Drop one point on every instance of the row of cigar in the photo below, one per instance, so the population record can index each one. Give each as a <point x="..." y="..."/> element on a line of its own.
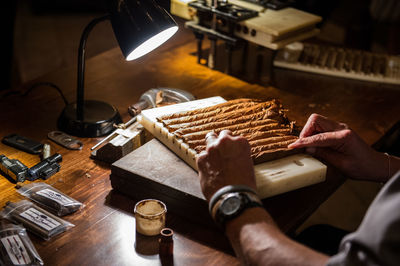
<point x="263" y="123"/>
<point x="349" y="60"/>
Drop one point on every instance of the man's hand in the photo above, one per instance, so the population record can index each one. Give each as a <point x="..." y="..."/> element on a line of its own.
<point x="337" y="144"/>
<point x="254" y="236"/>
<point x="226" y="161"/>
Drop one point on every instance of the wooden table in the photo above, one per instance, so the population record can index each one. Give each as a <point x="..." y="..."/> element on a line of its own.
<point x="104" y="232"/>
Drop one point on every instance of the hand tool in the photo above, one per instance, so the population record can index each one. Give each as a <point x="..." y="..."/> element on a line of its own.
<point x="23" y="143"/>
<point x="130" y="135"/>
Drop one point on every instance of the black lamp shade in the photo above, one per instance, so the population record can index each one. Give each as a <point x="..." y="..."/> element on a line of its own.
<point x="140" y="26"/>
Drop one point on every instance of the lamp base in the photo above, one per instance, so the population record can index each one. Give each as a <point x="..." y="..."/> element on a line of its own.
<point x="99" y="118"/>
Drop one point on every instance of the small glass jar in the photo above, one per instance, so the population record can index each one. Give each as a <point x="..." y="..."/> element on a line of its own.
<point x="150" y="216"/>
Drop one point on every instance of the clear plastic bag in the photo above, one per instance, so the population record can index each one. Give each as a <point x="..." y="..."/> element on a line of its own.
<point x="16" y="248"/>
<point x="35" y="219"/>
<point x="50" y="198"/>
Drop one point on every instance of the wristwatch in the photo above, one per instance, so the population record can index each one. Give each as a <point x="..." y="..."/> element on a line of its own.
<point x="229" y="202"/>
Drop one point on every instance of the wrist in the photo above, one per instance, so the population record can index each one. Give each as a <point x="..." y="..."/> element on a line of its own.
<point x="375" y="167"/>
<point x="230" y="202"/>
<point x="227" y="189"/>
<point x="387" y="168"/>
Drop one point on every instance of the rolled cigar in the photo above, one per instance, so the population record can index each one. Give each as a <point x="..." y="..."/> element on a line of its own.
<point x="269" y="116"/>
<point x="267" y="147"/>
<point x="203" y="115"/>
<point x="207" y="109"/>
<point x="266" y="134"/>
<point x="272" y="140"/>
<point x="239" y="129"/>
<point x="262" y="145"/>
<point x="249" y="136"/>
<point x="257" y="110"/>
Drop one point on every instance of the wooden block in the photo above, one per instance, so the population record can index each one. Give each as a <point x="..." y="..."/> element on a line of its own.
<point x="124" y="141"/>
<point x="275" y="29"/>
<point x="180" y="8"/>
<point x="278" y="22"/>
<point x="287" y="174"/>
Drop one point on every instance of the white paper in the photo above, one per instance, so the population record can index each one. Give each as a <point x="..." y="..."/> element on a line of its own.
<point x="51" y="194"/>
<point x="40" y="219"/>
<point x="16" y="250"/>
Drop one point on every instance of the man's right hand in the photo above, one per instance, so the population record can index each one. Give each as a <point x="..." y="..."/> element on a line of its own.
<point x="226" y="161"/>
<point x="340" y="146"/>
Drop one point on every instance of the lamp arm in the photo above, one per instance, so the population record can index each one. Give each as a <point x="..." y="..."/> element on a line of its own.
<point x="81" y="66"/>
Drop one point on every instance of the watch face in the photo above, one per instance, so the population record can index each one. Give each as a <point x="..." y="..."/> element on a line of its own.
<point x="230" y="205"/>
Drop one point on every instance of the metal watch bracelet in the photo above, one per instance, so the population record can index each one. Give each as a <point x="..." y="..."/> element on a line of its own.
<point x="247" y="200"/>
<point x="230" y="188"/>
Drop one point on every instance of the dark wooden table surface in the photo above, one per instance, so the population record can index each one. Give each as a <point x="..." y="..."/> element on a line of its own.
<point x="104" y="232"/>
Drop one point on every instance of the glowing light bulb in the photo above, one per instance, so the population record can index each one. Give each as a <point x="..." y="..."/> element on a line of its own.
<point x="152" y="43"/>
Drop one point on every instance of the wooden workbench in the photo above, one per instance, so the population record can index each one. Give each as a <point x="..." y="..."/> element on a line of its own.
<point x="104" y="232"/>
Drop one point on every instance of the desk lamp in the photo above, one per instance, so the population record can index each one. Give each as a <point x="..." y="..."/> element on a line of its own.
<point x="139" y="27"/>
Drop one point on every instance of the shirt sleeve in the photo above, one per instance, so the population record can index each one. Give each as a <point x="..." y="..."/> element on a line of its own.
<point x="377" y="240"/>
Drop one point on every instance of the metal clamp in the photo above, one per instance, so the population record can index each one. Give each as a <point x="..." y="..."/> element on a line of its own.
<point x="65" y="140"/>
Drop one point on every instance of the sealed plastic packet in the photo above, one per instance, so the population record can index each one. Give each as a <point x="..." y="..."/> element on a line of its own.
<point x="50" y="198"/>
<point x="35" y="219"/>
<point x="15" y="246"/>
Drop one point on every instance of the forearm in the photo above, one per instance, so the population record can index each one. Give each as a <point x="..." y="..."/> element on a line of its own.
<point x="258" y="241"/>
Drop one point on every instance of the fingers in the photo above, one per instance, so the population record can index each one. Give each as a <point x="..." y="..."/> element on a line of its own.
<point x="209" y="163"/>
<point x="225" y="133"/>
<point x="232" y="146"/>
<point x="333" y="139"/>
<point x="311" y="125"/>
<point x="201" y="160"/>
<point x="318" y="124"/>
<point x="211" y="137"/>
<point x="226" y="160"/>
<point x="212" y="152"/>
<point x="225" y="145"/>
<point x="213" y="140"/>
